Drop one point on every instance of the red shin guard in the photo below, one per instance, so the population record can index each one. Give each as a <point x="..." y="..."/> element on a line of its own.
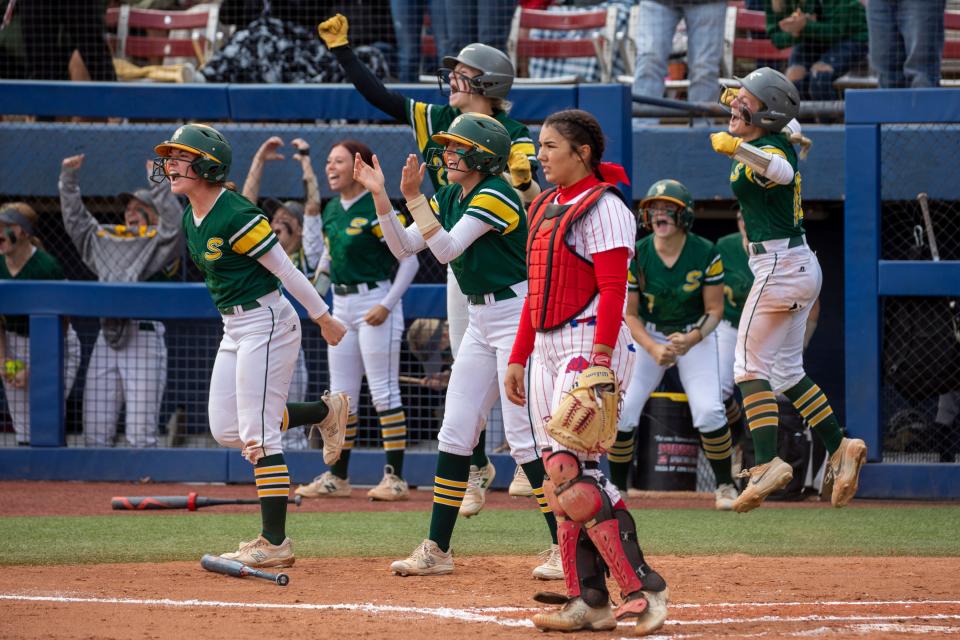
<point x="568" y="532"/>
<point x="606" y="538"/>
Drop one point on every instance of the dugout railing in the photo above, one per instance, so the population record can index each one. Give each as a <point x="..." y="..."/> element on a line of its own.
<point x="898" y="143"/>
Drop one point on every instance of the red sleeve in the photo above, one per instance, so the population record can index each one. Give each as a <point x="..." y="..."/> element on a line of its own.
<point x="610" y="268"/>
<point x="523" y="343"/>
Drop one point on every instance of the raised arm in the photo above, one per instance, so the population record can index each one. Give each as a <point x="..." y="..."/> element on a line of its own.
<point x="313" y="246"/>
<point x="334" y="35"/>
<point x="401" y="242"/>
<point x="77" y="220"/>
<point x="266" y="153"/>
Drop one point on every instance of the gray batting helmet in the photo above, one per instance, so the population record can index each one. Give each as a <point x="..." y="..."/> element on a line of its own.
<point x="780" y="98"/>
<point x="496" y="70"/>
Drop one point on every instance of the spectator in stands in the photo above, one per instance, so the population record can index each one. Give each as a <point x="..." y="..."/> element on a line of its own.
<point x="657" y="23"/>
<point x="906" y="41"/>
<point x="129" y="359"/>
<point x="472" y="21"/>
<point x="407" y="25"/>
<point x="64" y="40"/>
<point x="827" y="42"/>
<point x="24" y="259"/>
<point x="287" y="222"/>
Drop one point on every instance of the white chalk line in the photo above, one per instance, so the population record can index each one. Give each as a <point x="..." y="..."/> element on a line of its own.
<point x="481" y="614"/>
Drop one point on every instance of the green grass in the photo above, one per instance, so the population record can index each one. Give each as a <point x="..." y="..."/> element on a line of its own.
<point x="919" y="531"/>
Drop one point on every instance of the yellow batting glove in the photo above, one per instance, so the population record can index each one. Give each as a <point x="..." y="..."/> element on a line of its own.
<point x="728" y="95"/>
<point x="725" y="143"/>
<point x="520" y="170"/>
<point x="333" y="31"/>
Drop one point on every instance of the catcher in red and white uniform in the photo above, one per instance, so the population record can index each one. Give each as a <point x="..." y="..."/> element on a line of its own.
<point x="581" y="238"/>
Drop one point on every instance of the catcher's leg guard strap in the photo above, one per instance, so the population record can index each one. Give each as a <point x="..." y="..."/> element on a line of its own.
<point x="577" y="496"/>
<point x="652" y="581"/>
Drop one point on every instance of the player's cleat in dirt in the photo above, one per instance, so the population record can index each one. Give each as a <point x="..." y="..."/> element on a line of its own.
<point x="392" y="488"/>
<point x="261" y="554"/>
<point x="552" y="567"/>
<point x="478" y="482"/>
<point x="326" y="485"/>
<point x="333" y="428"/>
<point x="845" y="464"/>
<point x="426" y="560"/>
<point x="520" y="485"/>
<point x="577" y="615"/>
<point x="653" y="616"/>
<point x="764" y="480"/>
<point x="724" y="497"/>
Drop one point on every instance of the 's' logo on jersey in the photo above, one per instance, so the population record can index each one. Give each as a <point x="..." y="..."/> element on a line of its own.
<point x="693" y="280"/>
<point x="356" y="226"/>
<point x="213" y="249"/>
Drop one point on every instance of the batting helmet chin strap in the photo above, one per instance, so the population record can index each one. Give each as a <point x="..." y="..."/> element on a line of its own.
<point x="582" y="506"/>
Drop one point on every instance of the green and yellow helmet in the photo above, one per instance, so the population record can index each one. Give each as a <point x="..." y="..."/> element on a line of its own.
<point x="213" y="151"/>
<point x="671" y="191"/>
<point x="488" y="140"/>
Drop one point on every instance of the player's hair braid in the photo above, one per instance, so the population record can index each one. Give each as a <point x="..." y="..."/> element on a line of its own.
<point x="355" y="147"/>
<point x="580" y="128"/>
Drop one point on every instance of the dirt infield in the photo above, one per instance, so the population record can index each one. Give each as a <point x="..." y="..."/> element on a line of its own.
<point x="732" y="596"/>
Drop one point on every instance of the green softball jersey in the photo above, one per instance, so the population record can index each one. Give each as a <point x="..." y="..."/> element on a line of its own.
<point x="737" y="277"/>
<point x="40" y="266"/>
<point x="497" y="259"/>
<point x="428" y="119"/>
<point x="355" y="242"/>
<point x="770" y="210"/>
<point x="225" y="247"/>
<point x="672" y="296"/>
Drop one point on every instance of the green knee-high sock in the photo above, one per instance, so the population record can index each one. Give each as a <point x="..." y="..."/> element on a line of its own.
<point x="298" y="414"/>
<point x="393" y="428"/>
<point x="448" y="489"/>
<point x="273" y="488"/>
<point x="340" y="467"/>
<point x="734" y="414"/>
<point x="535" y="472"/>
<point x="813" y="406"/>
<point x="479" y="456"/>
<point x="620" y="456"/>
<point x="718" y="447"/>
<point x="763" y="418"/>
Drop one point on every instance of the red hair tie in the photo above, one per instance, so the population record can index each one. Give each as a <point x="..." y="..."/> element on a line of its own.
<point x="613" y="173"/>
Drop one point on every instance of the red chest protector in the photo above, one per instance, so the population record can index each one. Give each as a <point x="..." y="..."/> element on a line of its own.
<point x="561" y="283"/>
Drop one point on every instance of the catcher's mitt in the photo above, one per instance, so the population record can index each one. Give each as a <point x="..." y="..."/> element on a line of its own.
<point x="586" y="419"/>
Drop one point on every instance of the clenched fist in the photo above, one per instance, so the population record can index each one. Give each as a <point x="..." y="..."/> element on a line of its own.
<point x="520" y="170"/>
<point x="333" y="31"/>
<point x="725" y="143"/>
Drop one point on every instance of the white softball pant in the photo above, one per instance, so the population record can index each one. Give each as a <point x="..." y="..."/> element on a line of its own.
<point x="252" y="373"/>
<point x="18" y="400"/>
<point x="457" y="312"/>
<point x="134" y="375"/>
<point x="476" y="381"/>
<point x="727" y="344"/>
<point x="558" y="356"/>
<point x="368" y="350"/>
<point x="770" y="336"/>
<point x="699" y="370"/>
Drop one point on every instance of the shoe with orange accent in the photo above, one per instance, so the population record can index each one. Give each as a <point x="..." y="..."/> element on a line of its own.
<point x="764" y="480"/>
<point x="845" y="463"/>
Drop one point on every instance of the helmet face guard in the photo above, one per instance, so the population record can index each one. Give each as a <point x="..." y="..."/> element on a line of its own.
<point x="213" y="152"/>
<point x="473" y="159"/>
<point x="669" y="191"/>
<point x="444" y="76"/>
<point x="496" y="72"/>
<point x="486" y="140"/>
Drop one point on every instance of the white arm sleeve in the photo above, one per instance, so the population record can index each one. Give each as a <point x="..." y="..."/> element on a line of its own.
<point x="405" y="273"/>
<point x="313" y="239"/>
<point x="792" y="127"/>
<point x="293" y="280"/>
<point x="447" y="246"/>
<point x="771" y="166"/>
<point x="402" y="242"/>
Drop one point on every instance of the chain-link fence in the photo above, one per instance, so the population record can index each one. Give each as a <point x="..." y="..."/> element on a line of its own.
<point x="920" y="220"/>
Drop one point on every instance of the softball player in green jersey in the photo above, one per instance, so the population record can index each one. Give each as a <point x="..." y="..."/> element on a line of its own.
<point x="477" y="80"/>
<point x="478" y="226"/>
<point x="230" y="241"/>
<point x="769" y="354"/>
<point x="674" y="303"/>
<point x="368" y="301"/>
<point x="21" y="258"/>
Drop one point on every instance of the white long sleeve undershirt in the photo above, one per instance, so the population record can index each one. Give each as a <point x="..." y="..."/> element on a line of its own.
<point x="293" y="280"/>
<point x="446" y="246"/>
<point x="405" y="274"/>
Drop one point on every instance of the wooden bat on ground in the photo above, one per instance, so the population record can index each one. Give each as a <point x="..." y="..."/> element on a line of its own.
<point x="239" y="570"/>
<point x="190" y="502"/>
